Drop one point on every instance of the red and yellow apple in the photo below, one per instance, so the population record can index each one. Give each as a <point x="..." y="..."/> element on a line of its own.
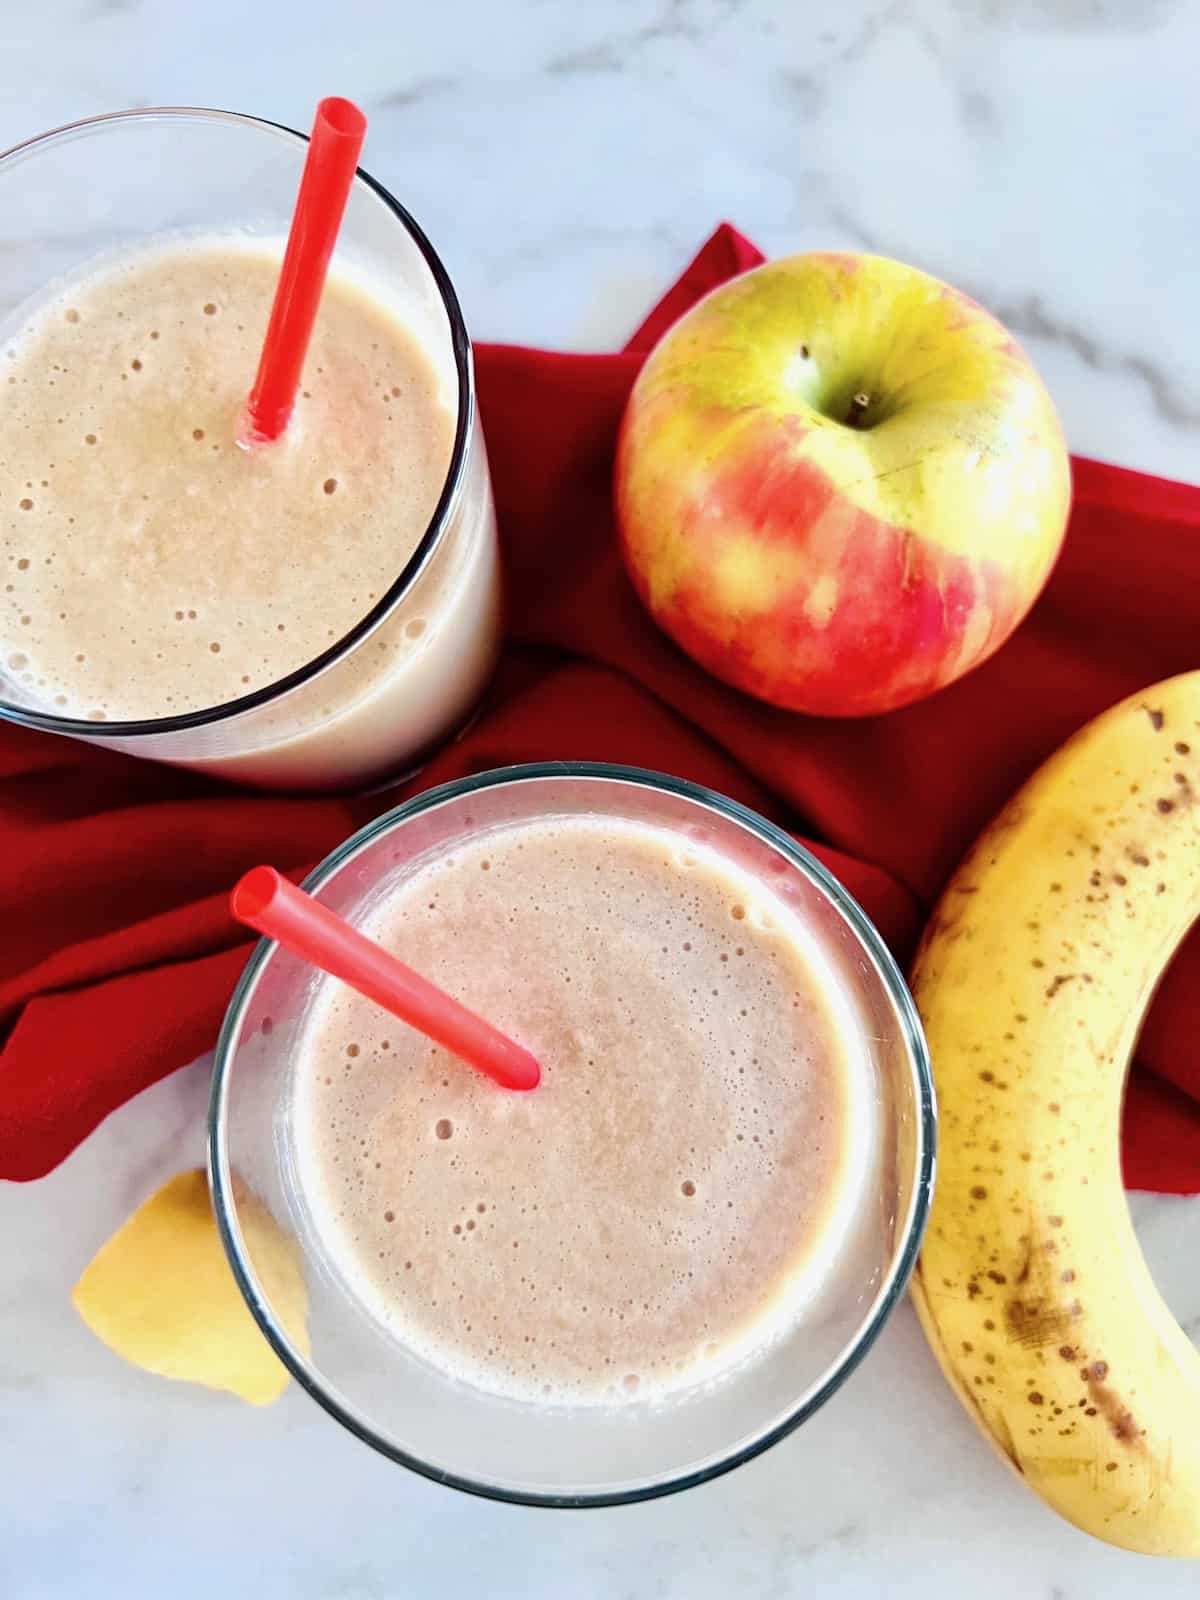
<point x="840" y="484"/>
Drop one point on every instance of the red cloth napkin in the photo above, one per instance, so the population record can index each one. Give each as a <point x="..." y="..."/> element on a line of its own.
<point x="117" y="955"/>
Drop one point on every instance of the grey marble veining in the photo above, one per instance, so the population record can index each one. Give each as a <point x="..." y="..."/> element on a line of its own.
<point x="567" y="160"/>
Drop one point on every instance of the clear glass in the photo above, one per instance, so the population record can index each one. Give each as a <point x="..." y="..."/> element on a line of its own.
<point x="411" y="670"/>
<point x="548" y="1454"/>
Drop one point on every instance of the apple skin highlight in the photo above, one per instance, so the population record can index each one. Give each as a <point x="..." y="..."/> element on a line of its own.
<point x="840" y="484"/>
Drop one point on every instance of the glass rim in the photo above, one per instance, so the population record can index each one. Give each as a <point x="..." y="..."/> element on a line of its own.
<point x="440" y="519"/>
<point x="883" y="1302"/>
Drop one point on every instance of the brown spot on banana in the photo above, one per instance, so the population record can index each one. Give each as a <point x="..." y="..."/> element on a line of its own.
<point x="1057" y="983"/>
<point x="1110" y="1405"/>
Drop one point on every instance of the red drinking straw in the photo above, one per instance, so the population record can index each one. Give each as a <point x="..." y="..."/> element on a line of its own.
<point x="338" y="130"/>
<point x="269" y="903"/>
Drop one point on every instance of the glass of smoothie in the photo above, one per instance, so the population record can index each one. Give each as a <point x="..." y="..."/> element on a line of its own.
<point x="318" y="612"/>
<point x="673" y="1250"/>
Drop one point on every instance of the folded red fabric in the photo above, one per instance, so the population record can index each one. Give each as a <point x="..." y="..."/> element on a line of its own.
<point x="117" y="954"/>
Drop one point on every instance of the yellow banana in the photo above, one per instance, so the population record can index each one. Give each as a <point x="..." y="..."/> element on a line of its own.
<point x="1032" y="981"/>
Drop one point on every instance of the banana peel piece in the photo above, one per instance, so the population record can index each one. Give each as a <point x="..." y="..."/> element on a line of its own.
<point x="161" y="1293"/>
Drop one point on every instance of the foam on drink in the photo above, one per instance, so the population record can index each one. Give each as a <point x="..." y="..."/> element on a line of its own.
<point x="674" y="1194"/>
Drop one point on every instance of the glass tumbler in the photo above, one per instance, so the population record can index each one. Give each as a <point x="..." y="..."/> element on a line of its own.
<point x="413" y="666"/>
<point x="547" y="1453"/>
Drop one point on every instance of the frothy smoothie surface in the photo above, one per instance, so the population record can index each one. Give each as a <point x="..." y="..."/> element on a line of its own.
<point x="674" y="1192"/>
<point x="152" y="567"/>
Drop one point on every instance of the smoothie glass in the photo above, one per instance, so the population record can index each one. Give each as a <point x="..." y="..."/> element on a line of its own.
<point x="547" y="1453"/>
<point x="411" y="669"/>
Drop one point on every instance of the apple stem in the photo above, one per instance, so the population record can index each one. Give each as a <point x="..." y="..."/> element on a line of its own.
<point x="858" y="408"/>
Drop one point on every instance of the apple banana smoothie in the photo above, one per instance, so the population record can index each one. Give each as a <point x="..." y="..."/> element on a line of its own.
<point x="674" y="1195"/>
<point x="153" y="568"/>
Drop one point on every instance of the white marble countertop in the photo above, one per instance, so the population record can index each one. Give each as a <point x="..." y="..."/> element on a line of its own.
<point x="567" y="160"/>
